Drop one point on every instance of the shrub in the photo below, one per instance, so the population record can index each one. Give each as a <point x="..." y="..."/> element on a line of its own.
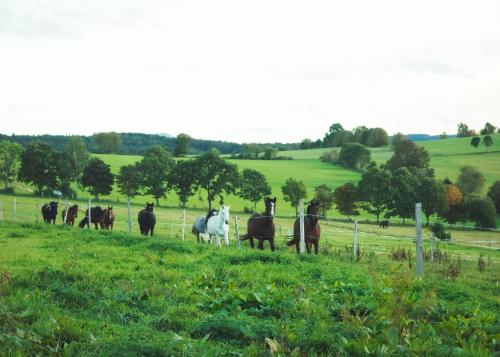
<point x="331" y="157"/>
<point x="494" y="194"/>
<point x="354" y="156"/>
<point x="482" y="212"/>
<point x="439" y="232"/>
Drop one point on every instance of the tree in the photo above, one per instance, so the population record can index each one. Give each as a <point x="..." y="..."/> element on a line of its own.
<point x="494" y="195"/>
<point x="325" y="197"/>
<point x="377" y="137"/>
<point x="453" y="205"/>
<point x="470" y="180"/>
<point x="306" y="144"/>
<point x="182" y="142"/>
<point x="293" y="191"/>
<point x="487" y="141"/>
<point x="129" y="180"/>
<point x="346" y="199"/>
<point x="39" y="166"/>
<point x="408" y="154"/>
<point x="332" y="137"/>
<point x="270" y="153"/>
<point x="216" y="176"/>
<point x="463" y="130"/>
<point x="396" y="138"/>
<point x="374" y="190"/>
<point x="488" y="129"/>
<point x="475" y="141"/>
<point x="354" y="156"/>
<point x="481" y="210"/>
<point x="430" y="194"/>
<point x="183" y="180"/>
<point x="331" y="157"/>
<point x="97" y="178"/>
<point x="443" y="135"/>
<point x="155" y="167"/>
<point x="404" y="194"/>
<point x="361" y="134"/>
<point x="253" y="187"/>
<point x="77" y="153"/>
<point x="10" y="159"/>
<point x="107" y="143"/>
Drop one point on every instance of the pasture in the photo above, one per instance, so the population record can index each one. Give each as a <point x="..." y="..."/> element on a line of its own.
<point x="66" y="291"/>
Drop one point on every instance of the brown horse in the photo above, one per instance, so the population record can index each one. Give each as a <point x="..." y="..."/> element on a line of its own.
<point x="108" y="218"/>
<point x="312" y="230"/>
<point x="72" y="214"/>
<point x="261" y="226"/>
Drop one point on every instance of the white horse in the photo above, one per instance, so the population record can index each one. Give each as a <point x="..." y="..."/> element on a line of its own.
<point x="218" y="226"/>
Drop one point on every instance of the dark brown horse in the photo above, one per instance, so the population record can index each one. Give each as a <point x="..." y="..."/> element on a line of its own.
<point x="312" y="230"/>
<point x="147" y="219"/>
<point x="261" y="226"/>
<point x="72" y="214"/>
<point x="108" y="218"/>
<point x="95" y="217"/>
<point x="49" y="212"/>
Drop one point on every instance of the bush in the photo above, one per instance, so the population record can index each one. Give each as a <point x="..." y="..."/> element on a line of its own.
<point x="354" y="156"/>
<point x="439" y="232"/>
<point x="494" y="194"/>
<point x="482" y="212"/>
<point x="331" y="157"/>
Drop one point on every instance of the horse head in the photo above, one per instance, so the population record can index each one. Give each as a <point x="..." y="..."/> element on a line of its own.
<point x="313" y="210"/>
<point x="149" y="206"/>
<point x="53" y="206"/>
<point x="224" y="213"/>
<point x="270" y="206"/>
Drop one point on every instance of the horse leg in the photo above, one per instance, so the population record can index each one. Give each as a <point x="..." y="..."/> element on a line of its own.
<point x="308" y="246"/>
<point x="297" y="246"/>
<point x="226" y="239"/>
<point x="152" y="229"/>
<point x="271" y="243"/>
<point x="251" y="243"/>
<point x="316" y="247"/>
<point x="261" y="244"/>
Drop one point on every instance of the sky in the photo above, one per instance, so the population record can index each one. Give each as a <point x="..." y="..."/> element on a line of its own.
<point x="247" y="71"/>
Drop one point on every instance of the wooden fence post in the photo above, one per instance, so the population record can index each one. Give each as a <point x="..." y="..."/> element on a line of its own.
<point x="15" y="210"/>
<point x="236" y="231"/>
<point x="418" y="223"/>
<point x="432" y="247"/>
<point x="90" y="214"/>
<point x="129" y="215"/>
<point x="184" y="224"/>
<point x="302" y="233"/>
<point x="355" y="244"/>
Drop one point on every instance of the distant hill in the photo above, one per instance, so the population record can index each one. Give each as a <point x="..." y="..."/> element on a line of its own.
<point x="425" y="137"/>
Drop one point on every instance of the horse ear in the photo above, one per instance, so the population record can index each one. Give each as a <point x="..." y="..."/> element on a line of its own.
<point x="274" y="200"/>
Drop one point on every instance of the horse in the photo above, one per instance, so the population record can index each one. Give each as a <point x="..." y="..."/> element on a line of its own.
<point x="384" y="223"/>
<point x="261" y="226"/>
<point x="49" y="212"/>
<point x="199" y="228"/>
<point x="147" y="219"/>
<point x="108" y="218"/>
<point x="218" y="225"/>
<point x="96" y="214"/>
<point x="312" y="229"/>
<point x="72" y="214"/>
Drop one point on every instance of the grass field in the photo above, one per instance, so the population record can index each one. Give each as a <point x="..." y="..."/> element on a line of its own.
<point x="66" y="291"/>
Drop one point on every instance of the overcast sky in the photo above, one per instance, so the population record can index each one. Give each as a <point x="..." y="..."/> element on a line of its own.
<point x="259" y="70"/>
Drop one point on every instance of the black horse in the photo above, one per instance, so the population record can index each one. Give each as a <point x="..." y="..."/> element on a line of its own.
<point x="96" y="216"/>
<point x="384" y="223"/>
<point x="49" y="212"/>
<point x="261" y="226"/>
<point x="147" y="219"/>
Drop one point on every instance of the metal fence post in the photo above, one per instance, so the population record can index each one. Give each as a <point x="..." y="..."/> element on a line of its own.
<point x="65" y="211"/>
<point x="355" y="244"/>
<point x="184" y="224"/>
<point x="36" y="213"/>
<point x="418" y="223"/>
<point x="90" y="214"/>
<point x="236" y="231"/>
<point x="432" y="247"/>
<point x="302" y="233"/>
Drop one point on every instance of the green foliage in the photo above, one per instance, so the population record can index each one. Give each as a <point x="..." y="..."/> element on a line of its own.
<point x="475" y="141"/>
<point x="129" y="180"/>
<point x="325" y="197"/>
<point x="488" y="129"/>
<point x="155" y="167"/>
<point x="354" y="156"/>
<point x="403" y="194"/>
<point x="293" y="191"/>
<point x="481" y="211"/>
<point x="396" y="139"/>
<point x="183" y="180"/>
<point x="463" y="130"/>
<point x="107" y="143"/>
<point x="346" y="199"/>
<point x="488" y="141"/>
<point x="39" y="166"/>
<point x="374" y="190"/>
<point x="253" y="186"/>
<point x="429" y="192"/>
<point x="10" y="159"/>
<point x="377" y="137"/>
<point x="494" y="195"/>
<point x="270" y="153"/>
<point x="470" y="180"/>
<point x="216" y="176"/>
<point x="97" y="178"/>
<point x="331" y="157"/>
<point x="408" y="154"/>
<point x="182" y="142"/>
<point x="439" y="232"/>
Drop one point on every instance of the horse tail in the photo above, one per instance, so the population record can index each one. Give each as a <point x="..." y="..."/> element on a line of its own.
<point x="244" y="237"/>
<point x="292" y="241"/>
<point x="83" y="222"/>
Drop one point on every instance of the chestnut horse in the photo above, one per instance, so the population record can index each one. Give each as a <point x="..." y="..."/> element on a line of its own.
<point x="312" y="229"/>
<point x="261" y="226"/>
<point x="72" y="214"/>
<point x="108" y="218"/>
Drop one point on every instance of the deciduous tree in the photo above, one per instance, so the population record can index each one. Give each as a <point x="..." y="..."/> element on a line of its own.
<point x="39" y="166"/>
<point x="183" y="180"/>
<point x="475" y="141"/>
<point x="293" y="191"/>
<point x="354" y="156"/>
<point x="97" y="178"/>
<point x="10" y="159"/>
<point x="375" y="190"/>
<point x="325" y="197"/>
<point x="494" y="194"/>
<point x="155" y="167"/>
<point x="346" y="199"/>
<point x="253" y="187"/>
<point x="470" y="180"/>
<point x="182" y="142"/>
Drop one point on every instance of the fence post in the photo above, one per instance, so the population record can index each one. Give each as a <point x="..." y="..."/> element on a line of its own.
<point x="14" y="207"/>
<point x="129" y="215"/>
<point x="418" y="223"/>
<point x="236" y="231"/>
<point x="90" y="215"/>
<point x="65" y="211"/>
<point x="183" y="224"/>
<point x="355" y="245"/>
<point x="36" y="213"/>
<point x="302" y="233"/>
<point x="432" y="247"/>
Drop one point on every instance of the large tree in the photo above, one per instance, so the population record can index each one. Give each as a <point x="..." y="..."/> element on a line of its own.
<point x="481" y="211"/>
<point x="325" y="197"/>
<point x="39" y="166"/>
<point x="408" y="154"/>
<point x="107" y="143"/>
<point x="346" y="199"/>
<point x="182" y="142"/>
<point x="253" y="187"/>
<point x="216" y="176"/>
<point x="375" y="190"/>
<point x="155" y="167"/>
<point x="403" y="194"/>
<point x="183" y="180"/>
<point x="10" y="159"/>
<point x="475" y="141"/>
<point x="293" y="191"/>
<point x="76" y="151"/>
<point x="487" y="141"/>
<point x="494" y="194"/>
<point x="396" y="138"/>
<point x="97" y="178"/>
<point x="453" y="206"/>
<point x="377" y="137"/>
<point x="463" y="130"/>
<point x="129" y="180"/>
<point x="488" y="129"/>
<point x="354" y="156"/>
<point x="430" y="194"/>
<point x="470" y="180"/>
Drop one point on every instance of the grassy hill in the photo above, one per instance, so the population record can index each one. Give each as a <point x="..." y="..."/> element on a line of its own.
<point x="65" y="291"/>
